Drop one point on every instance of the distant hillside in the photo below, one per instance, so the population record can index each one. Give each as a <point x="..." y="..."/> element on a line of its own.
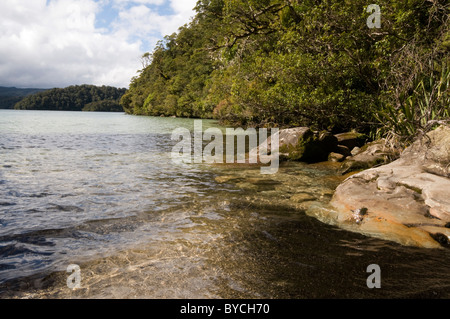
<point x="75" y="98"/>
<point x="9" y="96"/>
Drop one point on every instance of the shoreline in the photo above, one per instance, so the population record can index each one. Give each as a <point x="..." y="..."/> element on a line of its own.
<point x="406" y="200"/>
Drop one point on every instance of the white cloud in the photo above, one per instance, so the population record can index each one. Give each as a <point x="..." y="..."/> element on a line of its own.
<point x="183" y="7"/>
<point x="56" y="43"/>
<point x="124" y="2"/>
<point x="143" y="21"/>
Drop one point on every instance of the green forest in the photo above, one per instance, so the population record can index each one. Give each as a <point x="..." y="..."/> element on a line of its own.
<point x="75" y="98"/>
<point x="9" y="96"/>
<point x="316" y="63"/>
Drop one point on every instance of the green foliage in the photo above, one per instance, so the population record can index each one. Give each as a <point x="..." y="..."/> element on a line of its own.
<point x="426" y="107"/>
<point x="284" y="63"/>
<point x="8" y="102"/>
<point x="103" y="106"/>
<point x="416" y="92"/>
<point x="9" y="96"/>
<point x="72" y="98"/>
<point x="174" y="82"/>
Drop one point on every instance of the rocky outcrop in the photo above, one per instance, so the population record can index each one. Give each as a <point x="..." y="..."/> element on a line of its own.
<point x="406" y="201"/>
<point x="370" y="155"/>
<point x="432" y="152"/>
<point x="350" y="140"/>
<point x="304" y="145"/>
<point x="335" y="157"/>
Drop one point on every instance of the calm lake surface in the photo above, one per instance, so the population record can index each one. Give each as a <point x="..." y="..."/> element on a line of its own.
<point x="100" y="191"/>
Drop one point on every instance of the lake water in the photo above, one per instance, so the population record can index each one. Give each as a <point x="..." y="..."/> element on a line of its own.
<point x="100" y="191"/>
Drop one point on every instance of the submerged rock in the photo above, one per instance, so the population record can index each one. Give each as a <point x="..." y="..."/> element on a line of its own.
<point x="225" y="179"/>
<point x="302" y="197"/>
<point x="404" y="201"/>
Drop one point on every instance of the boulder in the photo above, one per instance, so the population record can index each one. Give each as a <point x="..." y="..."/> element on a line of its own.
<point x="336" y="157"/>
<point x="343" y="150"/>
<point x="293" y="135"/>
<point x="352" y="139"/>
<point x="355" y="151"/>
<point x="432" y="152"/>
<point x="302" y="144"/>
<point x="288" y="139"/>
<point x="406" y="201"/>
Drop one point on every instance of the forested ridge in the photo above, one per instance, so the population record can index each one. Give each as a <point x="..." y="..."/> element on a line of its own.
<point x="9" y="96"/>
<point x="75" y="98"/>
<point x="314" y="63"/>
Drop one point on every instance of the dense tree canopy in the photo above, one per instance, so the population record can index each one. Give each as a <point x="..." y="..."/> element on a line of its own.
<point x="74" y="98"/>
<point x="296" y="62"/>
<point x="103" y="106"/>
<point x="9" y="96"/>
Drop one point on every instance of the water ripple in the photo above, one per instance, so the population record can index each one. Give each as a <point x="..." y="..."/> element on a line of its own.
<point x="100" y="190"/>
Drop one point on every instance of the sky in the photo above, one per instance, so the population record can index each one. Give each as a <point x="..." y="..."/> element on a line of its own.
<point x="58" y="43"/>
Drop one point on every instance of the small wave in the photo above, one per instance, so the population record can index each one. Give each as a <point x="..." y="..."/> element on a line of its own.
<point x="36" y="238"/>
<point x="40" y="195"/>
<point x="14" y="249"/>
<point x="20" y="249"/>
<point x="7" y="204"/>
<point x="6" y="267"/>
<point x="14" y="193"/>
<point x="67" y="208"/>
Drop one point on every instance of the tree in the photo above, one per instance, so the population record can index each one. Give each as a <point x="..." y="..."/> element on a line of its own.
<point x="72" y="98"/>
<point x="294" y="63"/>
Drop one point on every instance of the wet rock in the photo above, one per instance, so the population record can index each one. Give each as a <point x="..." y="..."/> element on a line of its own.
<point x="225" y="179"/>
<point x="305" y="205"/>
<point x="405" y="202"/>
